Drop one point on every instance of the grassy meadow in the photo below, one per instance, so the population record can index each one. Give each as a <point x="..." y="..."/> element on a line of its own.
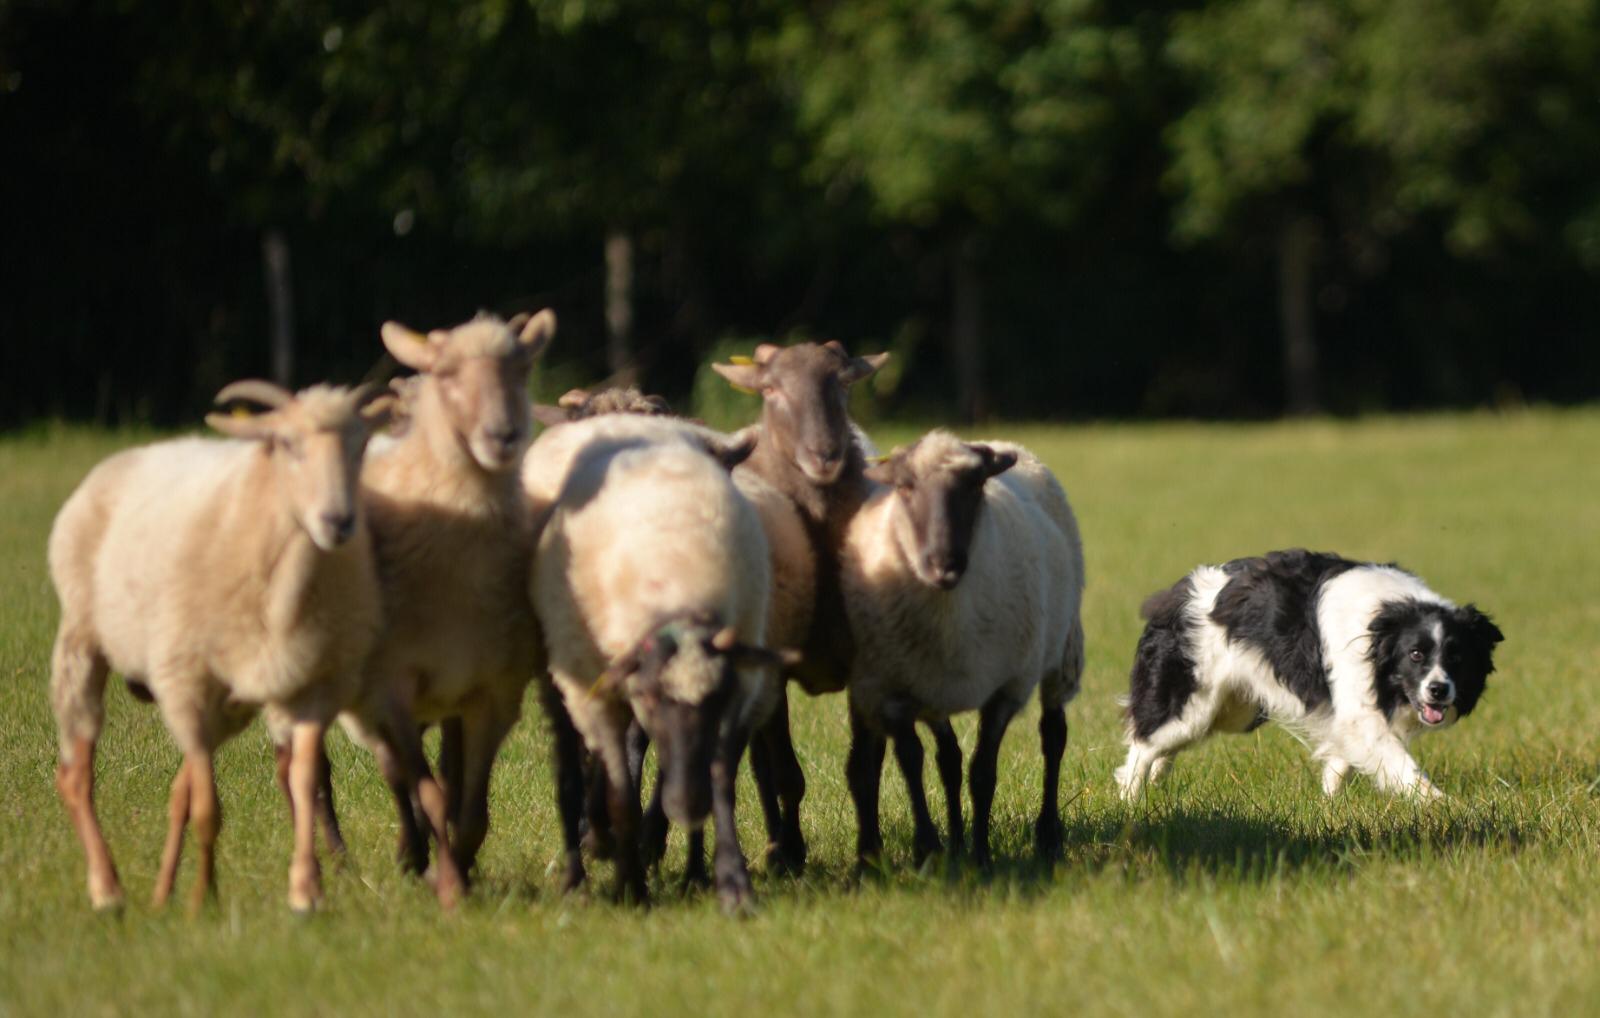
<point x="1233" y="888"/>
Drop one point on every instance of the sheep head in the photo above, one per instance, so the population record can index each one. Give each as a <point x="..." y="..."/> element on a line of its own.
<point x="681" y="679"/>
<point x="580" y="404"/>
<point x="804" y="396"/>
<point x="315" y="440"/>
<point x="938" y="481"/>
<point x="479" y="373"/>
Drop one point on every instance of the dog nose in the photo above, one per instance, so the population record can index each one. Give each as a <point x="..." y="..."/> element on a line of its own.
<point x="1439" y="690"/>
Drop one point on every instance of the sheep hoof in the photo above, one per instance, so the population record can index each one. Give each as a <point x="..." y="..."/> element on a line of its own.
<point x="1048" y="842"/>
<point x="735" y="894"/>
<point x="695" y="879"/>
<point x="575" y="877"/>
<point x="787" y="860"/>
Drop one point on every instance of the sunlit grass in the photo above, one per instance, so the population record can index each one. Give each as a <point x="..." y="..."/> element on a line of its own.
<point x="1234" y="887"/>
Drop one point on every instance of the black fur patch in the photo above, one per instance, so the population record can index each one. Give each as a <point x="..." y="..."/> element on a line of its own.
<point x="1271" y="604"/>
<point x="1163" y="676"/>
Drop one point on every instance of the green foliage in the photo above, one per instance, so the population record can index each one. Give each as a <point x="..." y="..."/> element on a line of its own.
<point x="1396" y="110"/>
<point x="953" y="110"/>
<point x="1234" y="889"/>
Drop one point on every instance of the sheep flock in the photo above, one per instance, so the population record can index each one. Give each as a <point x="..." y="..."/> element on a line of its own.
<point x="391" y="559"/>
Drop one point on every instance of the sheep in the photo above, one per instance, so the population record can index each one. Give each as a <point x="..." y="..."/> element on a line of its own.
<point x="580" y="404"/>
<point x="218" y="577"/>
<point x="652" y="583"/>
<point x="789" y="620"/>
<point x="812" y="454"/>
<point x="963" y="580"/>
<point x="453" y="539"/>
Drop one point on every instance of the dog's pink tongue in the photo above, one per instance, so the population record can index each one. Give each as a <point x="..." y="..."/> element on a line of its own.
<point x="1432" y="715"/>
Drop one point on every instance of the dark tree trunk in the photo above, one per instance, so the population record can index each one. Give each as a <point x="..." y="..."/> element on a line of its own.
<point x="280" y="305"/>
<point x="966" y="331"/>
<point x="619" y="301"/>
<point x="1296" y="251"/>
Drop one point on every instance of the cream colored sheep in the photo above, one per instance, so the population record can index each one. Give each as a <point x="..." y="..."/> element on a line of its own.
<point x="963" y="579"/>
<point x="452" y="537"/>
<point x="652" y="582"/>
<point x="217" y="577"/>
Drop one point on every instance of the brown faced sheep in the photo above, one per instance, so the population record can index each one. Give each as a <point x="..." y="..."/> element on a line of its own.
<point x="963" y="578"/>
<point x="220" y="577"/>
<point x="811" y="453"/>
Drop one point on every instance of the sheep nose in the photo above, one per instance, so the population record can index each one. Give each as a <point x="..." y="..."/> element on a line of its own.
<point x="340" y="525"/>
<point x="505" y="438"/>
<point x="946" y="573"/>
<point x="1440" y="690"/>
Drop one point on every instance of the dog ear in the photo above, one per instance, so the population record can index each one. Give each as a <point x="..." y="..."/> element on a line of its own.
<point x="1480" y="625"/>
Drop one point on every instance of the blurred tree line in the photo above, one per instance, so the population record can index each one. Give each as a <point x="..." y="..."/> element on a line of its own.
<point x="1044" y="207"/>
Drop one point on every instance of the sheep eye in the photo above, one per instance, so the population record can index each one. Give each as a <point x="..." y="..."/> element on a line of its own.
<point x="1416" y="655"/>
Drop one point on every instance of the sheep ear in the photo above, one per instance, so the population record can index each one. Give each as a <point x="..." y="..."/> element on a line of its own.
<point x="409" y="347"/>
<point x="249" y="426"/>
<point x="574" y="399"/>
<point x="748" y="377"/>
<point x="882" y="472"/>
<point x="379" y="411"/>
<point x="862" y="367"/>
<point x="536" y="334"/>
<point x="994" y="462"/>
<point x="550" y="416"/>
<point x="735" y="449"/>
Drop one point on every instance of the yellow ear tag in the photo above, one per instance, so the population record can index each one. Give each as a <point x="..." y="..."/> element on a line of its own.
<point x="240" y="412"/>
<point x="880" y="460"/>
<point x="744" y="362"/>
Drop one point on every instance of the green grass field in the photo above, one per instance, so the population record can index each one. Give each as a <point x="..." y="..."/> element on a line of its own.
<point x="1235" y="886"/>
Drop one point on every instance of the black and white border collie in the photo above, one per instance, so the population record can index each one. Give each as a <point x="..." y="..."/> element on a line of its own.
<point x="1356" y="657"/>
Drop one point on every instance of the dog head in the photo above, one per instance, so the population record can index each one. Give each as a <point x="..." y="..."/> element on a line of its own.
<point x="1432" y="659"/>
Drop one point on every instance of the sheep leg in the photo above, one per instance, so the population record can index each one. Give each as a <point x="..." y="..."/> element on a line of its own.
<point x="451" y="756"/>
<point x="413" y="851"/>
<point x="908" y="754"/>
<point x="733" y="874"/>
<point x="75" y="784"/>
<point x="205" y="816"/>
<point x="568" y="750"/>
<point x="767" y="792"/>
<point x="948" y="750"/>
<point x="327" y="816"/>
<point x="1052" y="743"/>
<point x="481" y="734"/>
<point x="599" y="839"/>
<point x="653" y="826"/>
<point x="864" y="773"/>
<point x="622" y="798"/>
<point x="406" y="769"/>
<point x="177" y="820"/>
<point x="993" y="719"/>
<point x="695" y="874"/>
<point x="790" y="779"/>
<point x="305" y="876"/>
<point x="77" y="692"/>
<point x="282" y="755"/>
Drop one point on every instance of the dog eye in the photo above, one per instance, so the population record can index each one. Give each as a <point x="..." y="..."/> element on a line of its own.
<point x="1416" y="655"/>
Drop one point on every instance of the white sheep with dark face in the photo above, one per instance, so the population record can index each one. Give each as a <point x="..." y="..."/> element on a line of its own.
<point x="652" y="582"/>
<point x="963" y="579"/>
<point x="218" y="577"/>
